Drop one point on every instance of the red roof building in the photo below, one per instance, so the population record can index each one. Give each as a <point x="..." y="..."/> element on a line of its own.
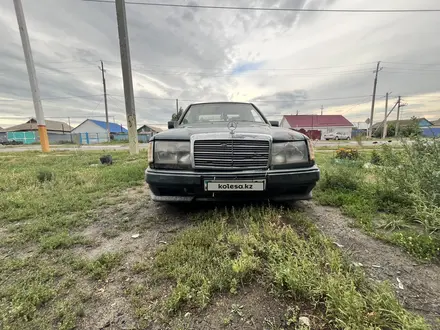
<point x="317" y="123"/>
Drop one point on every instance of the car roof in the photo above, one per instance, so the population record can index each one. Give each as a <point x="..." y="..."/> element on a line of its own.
<point x="221" y="102"/>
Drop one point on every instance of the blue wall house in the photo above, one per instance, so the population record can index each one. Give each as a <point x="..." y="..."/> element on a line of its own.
<point x="28" y="131"/>
<point x="433" y="130"/>
<point x="95" y="131"/>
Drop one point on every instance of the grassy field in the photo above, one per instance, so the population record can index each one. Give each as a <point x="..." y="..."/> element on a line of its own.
<point x="396" y="198"/>
<point x="45" y="203"/>
<point x="49" y="202"/>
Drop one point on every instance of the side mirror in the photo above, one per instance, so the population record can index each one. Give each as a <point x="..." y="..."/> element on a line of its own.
<point x="171" y="124"/>
<point x="274" y="123"/>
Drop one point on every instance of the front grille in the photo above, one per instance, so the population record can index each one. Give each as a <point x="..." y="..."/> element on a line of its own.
<point x="231" y="153"/>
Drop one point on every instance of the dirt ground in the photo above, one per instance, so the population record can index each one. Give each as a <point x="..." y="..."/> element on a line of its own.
<point x="417" y="285"/>
<point x="154" y="225"/>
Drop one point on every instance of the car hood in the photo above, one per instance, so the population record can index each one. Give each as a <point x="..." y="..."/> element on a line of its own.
<point x="185" y="132"/>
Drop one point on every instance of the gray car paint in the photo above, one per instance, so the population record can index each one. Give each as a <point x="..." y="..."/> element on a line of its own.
<point x="183" y="133"/>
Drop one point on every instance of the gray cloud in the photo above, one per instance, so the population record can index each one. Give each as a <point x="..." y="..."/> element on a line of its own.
<point x="188" y="54"/>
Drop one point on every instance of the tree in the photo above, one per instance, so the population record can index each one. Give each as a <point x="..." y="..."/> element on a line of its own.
<point x="391" y="130"/>
<point x="412" y="129"/>
<point x="176" y="116"/>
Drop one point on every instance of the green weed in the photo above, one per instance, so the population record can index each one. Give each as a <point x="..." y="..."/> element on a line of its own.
<point x="229" y="250"/>
<point x="403" y="190"/>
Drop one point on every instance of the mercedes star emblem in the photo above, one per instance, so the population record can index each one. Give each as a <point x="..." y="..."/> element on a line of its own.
<point x="232" y="125"/>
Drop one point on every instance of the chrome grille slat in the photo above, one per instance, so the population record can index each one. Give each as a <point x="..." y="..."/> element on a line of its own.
<point x="231" y="153"/>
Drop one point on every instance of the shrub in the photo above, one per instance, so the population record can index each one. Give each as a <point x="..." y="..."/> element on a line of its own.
<point x="376" y="158"/>
<point x="351" y="154"/>
<point x="341" y="178"/>
<point x="44" y="175"/>
<point x="422" y="246"/>
<point x="414" y="177"/>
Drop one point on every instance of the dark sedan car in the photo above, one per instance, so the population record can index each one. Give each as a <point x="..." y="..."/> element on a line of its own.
<point x="229" y="151"/>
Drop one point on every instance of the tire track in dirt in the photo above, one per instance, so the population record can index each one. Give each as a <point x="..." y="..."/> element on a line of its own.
<point x="383" y="262"/>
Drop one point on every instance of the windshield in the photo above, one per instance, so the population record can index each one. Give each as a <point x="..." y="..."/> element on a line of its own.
<point x="221" y="112"/>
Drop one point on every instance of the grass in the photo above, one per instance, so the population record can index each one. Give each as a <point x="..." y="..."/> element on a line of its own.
<point x="231" y="249"/>
<point x="58" y="189"/>
<point x="46" y="280"/>
<point x="388" y="201"/>
<point x="45" y="202"/>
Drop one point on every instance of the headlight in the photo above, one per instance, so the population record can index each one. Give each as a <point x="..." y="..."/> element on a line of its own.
<point x="289" y="153"/>
<point x="172" y="153"/>
<point x="311" y="151"/>
<point x="150" y="152"/>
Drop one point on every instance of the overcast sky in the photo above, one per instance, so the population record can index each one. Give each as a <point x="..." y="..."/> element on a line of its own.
<point x="282" y="61"/>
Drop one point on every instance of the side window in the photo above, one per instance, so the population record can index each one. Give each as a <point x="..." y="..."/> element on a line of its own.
<point x="256" y="116"/>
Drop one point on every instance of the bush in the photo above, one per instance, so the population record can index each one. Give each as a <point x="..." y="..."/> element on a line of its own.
<point x="351" y="154"/>
<point x="45" y="175"/>
<point x="422" y="246"/>
<point x="376" y="158"/>
<point x="341" y="178"/>
<point x="414" y="176"/>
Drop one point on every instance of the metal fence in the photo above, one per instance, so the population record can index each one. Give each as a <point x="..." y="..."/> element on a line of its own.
<point x="76" y="138"/>
<point x="25" y="137"/>
<point x="142" y="138"/>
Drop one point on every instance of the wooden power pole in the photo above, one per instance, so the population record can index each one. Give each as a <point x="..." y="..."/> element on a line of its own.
<point x="398" y="116"/>
<point x="42" y="130"/>
<point x="105" y="100"/>
<point x="374" y="99"/>
<point x="127" y="76"/>
<point x="384" y="133"/>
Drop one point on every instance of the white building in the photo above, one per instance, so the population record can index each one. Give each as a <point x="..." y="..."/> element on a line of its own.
<point x="317" y="123"/>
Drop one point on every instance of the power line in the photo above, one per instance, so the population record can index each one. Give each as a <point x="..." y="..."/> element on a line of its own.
<point x="411" y="63"/>
<point x="157" y="4"/>
<point x="259" y="101"/>
<point x="226" y="74"/>
<point x="259" y="69"/>
<point x="309" y="100"/>
<point x="53" y="98"/>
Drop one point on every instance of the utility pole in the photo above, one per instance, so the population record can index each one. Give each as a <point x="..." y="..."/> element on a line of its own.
<point x="42" y="130"/>
<point x="70" y="131"/>
<point x="374" y="99"/>
<point x="322" y="109"/>
<point x="384" y="132"/>
<point x="105" y="100"/>
<point x="177" y="108"/>
<point x="399" y="105"/>
<point x="127" y="76"/>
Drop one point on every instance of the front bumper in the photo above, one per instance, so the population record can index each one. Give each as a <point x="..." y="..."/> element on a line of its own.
<point x="188" y="186"/>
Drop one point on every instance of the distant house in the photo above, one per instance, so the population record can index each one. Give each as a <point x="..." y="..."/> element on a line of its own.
<point x="423" y="123"/>
<point x="3" y="135"/>
<point x="98" y="126"/>
<point x="433" y="130"/>
<point x="95" y="131"/>
<point x="317" y="125"/>
<point x="149" y="129"/>
<point x="31" y="125"/>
